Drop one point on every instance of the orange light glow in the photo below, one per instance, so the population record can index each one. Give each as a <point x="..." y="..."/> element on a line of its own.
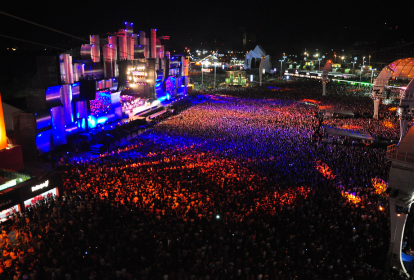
<point x="289" y="198"/>
<point x="379" y="185"/>
<point x="189" y="159"/>
<point x="388" y="124"/>
<point x="351" y="197"/>
<point x="351" y="127"/>
<point x="381" y="208"/>
<point x="392" y="109"/>
<point x="324" y="169"/>
<point x="311" y="101"/>
<point x="3" y="137"/>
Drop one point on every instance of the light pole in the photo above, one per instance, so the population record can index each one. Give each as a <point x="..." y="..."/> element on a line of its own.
<point x="319" y="60"/>
<point x="281" y="65"/>
<point x="215" y="64"/>
<point x="353" y="67"/>
<point x="372" y="73"/>
<point x="363" y="61"/>
<point x="360" y="76"/>
<point x="369" y="60"/>
<point x="202" y="75"/>
<point x="281" y="61"/>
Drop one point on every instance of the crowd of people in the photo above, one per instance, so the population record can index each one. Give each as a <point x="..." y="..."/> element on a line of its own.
<point x="102" y="103"/>
<point x="342" y="97"/>
<point x="233" y="187"/>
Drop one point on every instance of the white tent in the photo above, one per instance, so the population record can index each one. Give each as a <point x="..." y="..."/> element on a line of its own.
<point x="254" y="56"/>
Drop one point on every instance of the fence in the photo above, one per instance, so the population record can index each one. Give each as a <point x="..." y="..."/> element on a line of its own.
<point x="393" y="154"/>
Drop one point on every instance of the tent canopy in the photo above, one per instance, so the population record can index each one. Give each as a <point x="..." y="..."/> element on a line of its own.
<point x="348" y="133"/>
<point x="336" y="111"/>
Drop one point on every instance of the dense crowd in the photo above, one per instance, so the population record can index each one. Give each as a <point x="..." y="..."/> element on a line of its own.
<point x="101" y="104"/>
<point x="234" y="187"/>
<point x="342" y="97"/>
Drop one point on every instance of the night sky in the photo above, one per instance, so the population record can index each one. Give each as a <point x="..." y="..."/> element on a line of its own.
<point x="281" y="26"/>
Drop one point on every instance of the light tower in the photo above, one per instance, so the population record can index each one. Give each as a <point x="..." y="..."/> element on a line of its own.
<point x="401" y="194"/>
<point x="262" y="62"/>
<point x="3" y="137"/>
<point x="401" y="178"/>
<point x="325" y="73"/>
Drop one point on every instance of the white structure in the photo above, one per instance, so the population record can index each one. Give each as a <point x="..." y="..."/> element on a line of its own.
<point x="401" y="195"/>
<point x="401" y="68"/>
<point x="253" y="58"/>
<point x="325" y="73"/>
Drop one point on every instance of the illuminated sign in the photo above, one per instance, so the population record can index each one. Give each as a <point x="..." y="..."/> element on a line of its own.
<point x="37" y="198"/>
<point x="41" y="186"/>
<point x="138" y="73"/>
<point x="8" y="184"/>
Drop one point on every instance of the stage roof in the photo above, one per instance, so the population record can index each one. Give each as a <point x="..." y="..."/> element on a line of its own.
<point x="336" y="110"/>
<point x="348" y="133"/>
<point x="407" y="143"/>
<point x="403" y="68"/>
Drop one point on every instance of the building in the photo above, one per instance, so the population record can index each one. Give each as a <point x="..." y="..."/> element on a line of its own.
<point x="19" y="191"/>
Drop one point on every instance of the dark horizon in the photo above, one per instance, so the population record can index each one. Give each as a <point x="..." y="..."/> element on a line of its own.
<point x="286" y="27"/>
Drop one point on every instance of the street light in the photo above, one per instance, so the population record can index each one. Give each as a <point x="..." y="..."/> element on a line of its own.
<point x="369" y="59"/>
<point x="281" y="61"/>
<point x="372" y="73"/>
<point x="353" y="67"/>
<point x="363" y="61"/>
<point x="202" y="75"/>
<point x="319" y="60"/>
<point x="353" y="64"/>
<point x="215" y="64"/>
<point x="202" y="72"/>
<point x="281" y="65"/>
